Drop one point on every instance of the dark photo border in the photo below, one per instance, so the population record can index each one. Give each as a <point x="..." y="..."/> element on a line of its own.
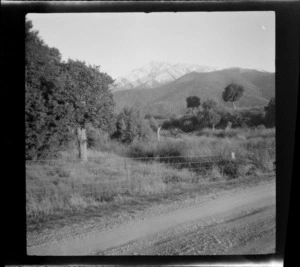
<point x="13" y="102"/>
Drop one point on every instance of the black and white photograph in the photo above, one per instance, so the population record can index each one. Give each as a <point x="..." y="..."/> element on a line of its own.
<point x="150" y="134"/>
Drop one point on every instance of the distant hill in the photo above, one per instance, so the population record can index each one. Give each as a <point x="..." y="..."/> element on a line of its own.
<point x="156" y="74"/>
<point x="170" y="98"/>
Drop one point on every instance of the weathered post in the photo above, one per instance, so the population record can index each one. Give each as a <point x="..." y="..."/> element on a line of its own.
<point x="158" y="133"/>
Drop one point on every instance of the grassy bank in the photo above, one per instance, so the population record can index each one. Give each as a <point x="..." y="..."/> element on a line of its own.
<point x="143" y="170"/>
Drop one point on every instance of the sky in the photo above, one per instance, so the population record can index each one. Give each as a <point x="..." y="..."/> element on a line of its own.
<point x="122" y="42"/>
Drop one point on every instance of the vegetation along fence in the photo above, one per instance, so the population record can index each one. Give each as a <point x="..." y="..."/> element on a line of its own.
<point x="102" y="175"/>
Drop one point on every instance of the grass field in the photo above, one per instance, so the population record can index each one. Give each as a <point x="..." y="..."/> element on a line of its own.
<point x="119" y="173"/>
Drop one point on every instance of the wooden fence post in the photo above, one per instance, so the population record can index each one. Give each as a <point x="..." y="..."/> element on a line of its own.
<point x="158" y="133"/>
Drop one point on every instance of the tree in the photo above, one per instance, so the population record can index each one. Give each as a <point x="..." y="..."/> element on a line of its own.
<point x="193" y="102"/>
<point x="211" y="118"/>
<point x="270" y="113"/>
<point x="60" y="97"/>
<point x="209" y="104"/>
<point x="239" y="119"/>
<point x="130" y="125"/>
<point x="233" y="92"/>
<point x="45" y="110"/>
<point x="86" y="90"/>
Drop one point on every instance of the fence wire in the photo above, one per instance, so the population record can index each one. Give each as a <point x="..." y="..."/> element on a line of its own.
<point x="131" y="158"/>
<point x="120" y="173"/>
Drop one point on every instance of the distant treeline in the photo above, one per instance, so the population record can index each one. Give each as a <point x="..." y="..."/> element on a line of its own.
<point x="210" y="115"/>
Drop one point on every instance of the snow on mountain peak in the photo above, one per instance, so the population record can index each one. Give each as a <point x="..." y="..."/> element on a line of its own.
<point x="157" y="73"/>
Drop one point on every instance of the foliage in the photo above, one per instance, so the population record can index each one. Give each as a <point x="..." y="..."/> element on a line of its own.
<point x="209" y="104"/>
<point x="211" y="118"/>
<point x="233" y="93"/>
<point x="130" y="125"/>
<point x="230" y="168"/>
<point x="175" y="121"/>
<point x="270" y="113"/>
<point x="239" y="120"/>
<point x="252" y="147"/>
<point x="253" y="117"/>
<point x="87" y="92"/>
<point x="53" y="189"/>
<point x="187" y="125"/>
<point x="61" y="96"/>
<point x="94" y="136"/>
<point x="193" y="102"/>
<point x="46" y="112"/>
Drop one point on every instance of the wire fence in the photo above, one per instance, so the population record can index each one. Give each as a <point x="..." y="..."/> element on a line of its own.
<point x="145" y="158"/>
<point x="118" y="174"/>
<point x="179" y="162"/>
<point x="149" y="158"/>
<point x="120" y="158"/>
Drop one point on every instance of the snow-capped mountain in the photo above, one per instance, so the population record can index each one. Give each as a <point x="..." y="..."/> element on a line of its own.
<point x="155" y="74"/>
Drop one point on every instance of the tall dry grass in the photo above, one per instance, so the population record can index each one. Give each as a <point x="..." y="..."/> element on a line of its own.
<point x="251" y="146"/>
<point x="65" y="184"/>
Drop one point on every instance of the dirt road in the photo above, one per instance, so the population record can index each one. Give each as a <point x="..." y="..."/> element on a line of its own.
<point x="240" y="222"/>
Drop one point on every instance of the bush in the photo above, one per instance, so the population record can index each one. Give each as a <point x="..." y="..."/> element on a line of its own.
<point x="230" y="168"/>
<point x="189" y="123"/>
<point x="215" y="174"/>
<point x="165" y="150"/>
<point x="99" y="140"/>
<point x="93" y="137"/>
<point x="131" y="125"/>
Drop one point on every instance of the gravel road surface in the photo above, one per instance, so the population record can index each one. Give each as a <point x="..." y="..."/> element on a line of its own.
<point x="236" y="222"/>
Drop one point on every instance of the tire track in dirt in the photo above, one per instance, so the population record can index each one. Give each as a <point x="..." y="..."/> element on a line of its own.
<point x="206" y="214"/>
<point x="248" y="232"/>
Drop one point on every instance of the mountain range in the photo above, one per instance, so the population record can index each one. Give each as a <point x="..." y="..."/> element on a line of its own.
<point x="155" y="74"/>
<point x="165" y="89"/>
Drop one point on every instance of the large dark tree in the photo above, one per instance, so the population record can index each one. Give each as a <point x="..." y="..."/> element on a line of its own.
<point x="86" y="91"/>
<point x="45" y="112"/>
<point x="233" y="92"/>
<point x="60" y="97"/>
<point x="193" y="102"/>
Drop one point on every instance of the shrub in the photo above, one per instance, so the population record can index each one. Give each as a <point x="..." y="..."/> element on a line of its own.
<point x="253" y="117"/>
<point x="93" y="136"/>
<point x="215" y="174"/>
<point x="211" y="118"/>
<point x="189" y="123"/>
<point x="230" y="168"/>
<point x="209" y="105"/>
<point x="131" y="125"/>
